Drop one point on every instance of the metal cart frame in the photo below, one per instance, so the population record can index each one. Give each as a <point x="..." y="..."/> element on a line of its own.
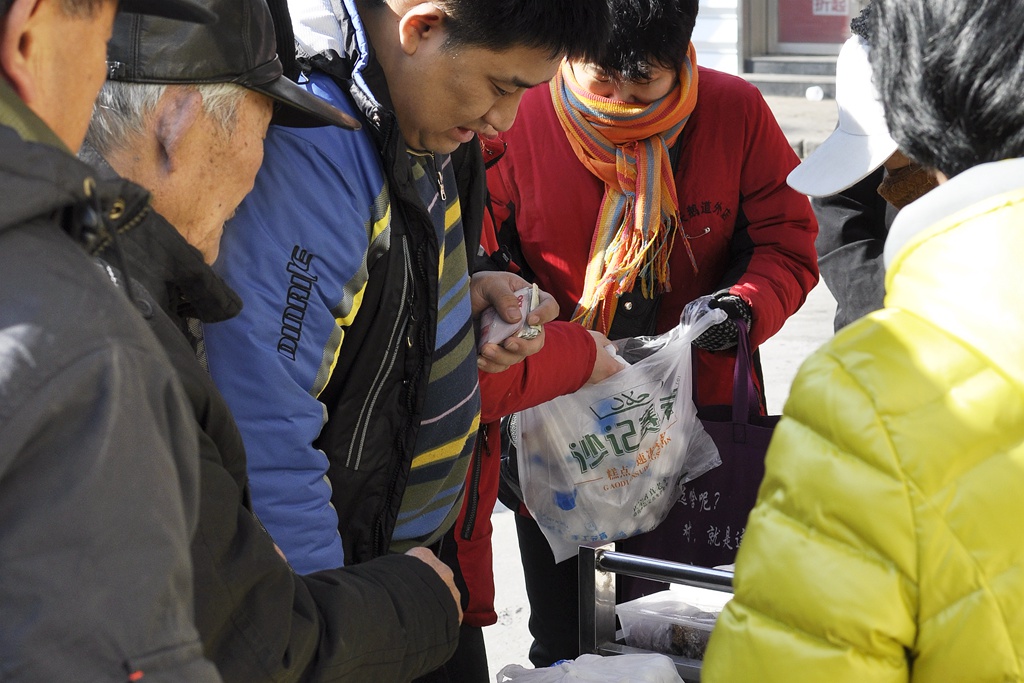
<point x="599" y="563"/>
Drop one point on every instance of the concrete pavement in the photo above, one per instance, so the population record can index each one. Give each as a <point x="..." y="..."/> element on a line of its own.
<point x="806" y="123"/>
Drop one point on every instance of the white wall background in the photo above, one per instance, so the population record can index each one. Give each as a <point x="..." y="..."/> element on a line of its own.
<point x="716" y="36"/>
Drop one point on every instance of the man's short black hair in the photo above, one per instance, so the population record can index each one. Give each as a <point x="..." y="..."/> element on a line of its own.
<point x="951" y="77"/>
<point x="576" y="29"/>
<point x="647" y="33"/>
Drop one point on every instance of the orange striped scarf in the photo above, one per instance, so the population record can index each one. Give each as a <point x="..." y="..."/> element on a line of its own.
<point x="626" y="146"/>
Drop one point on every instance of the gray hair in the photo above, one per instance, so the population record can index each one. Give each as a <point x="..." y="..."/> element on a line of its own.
<point x="122" y="108"/>
<point x="81" y="8"/>
<point x="78" y="9"/>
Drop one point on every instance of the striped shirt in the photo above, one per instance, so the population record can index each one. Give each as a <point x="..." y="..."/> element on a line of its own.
<point x="451" y="410"/>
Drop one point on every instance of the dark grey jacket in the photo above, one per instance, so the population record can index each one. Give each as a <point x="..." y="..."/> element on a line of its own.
<point x="852" y="227"/>
<point x="98" y="452"/>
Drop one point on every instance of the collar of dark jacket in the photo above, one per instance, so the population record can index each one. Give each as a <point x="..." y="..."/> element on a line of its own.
<point x="42" y="182"/>
<point x="171" y="269"/>
<point x="15" y="114"/>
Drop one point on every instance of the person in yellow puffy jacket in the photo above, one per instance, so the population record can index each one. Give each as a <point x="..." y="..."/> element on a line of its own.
<point x="886" y="545"/>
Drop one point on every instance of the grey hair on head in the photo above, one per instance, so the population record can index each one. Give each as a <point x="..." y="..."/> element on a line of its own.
<point x="70" y="8"/>
<point x="120" y="112"/>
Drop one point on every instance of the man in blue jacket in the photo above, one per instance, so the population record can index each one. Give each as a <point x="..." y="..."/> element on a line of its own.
<point x="352" y="369"/>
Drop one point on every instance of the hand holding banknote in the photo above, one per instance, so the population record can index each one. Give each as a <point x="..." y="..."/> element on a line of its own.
<point x="511" y="315"/>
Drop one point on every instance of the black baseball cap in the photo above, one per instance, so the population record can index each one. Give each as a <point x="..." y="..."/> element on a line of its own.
<point x="183" y="10"/>
<point x="239" y="48"/>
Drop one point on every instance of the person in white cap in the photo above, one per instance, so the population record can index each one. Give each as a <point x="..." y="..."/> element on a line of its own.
<point x="857" y="180"/>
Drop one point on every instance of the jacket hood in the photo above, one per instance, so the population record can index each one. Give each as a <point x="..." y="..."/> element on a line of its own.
<point x="331" y="38"/>
<point x="321" y="26"/>
<point x="330" y="34"/>
<point x="40" y="180"/>
<point x="37" y="179"/>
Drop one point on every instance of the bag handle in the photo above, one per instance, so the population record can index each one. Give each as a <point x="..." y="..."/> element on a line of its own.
<point x="743" y="392"/>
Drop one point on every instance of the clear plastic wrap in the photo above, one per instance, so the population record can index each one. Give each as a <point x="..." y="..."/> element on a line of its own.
<point x="666" y="623"/>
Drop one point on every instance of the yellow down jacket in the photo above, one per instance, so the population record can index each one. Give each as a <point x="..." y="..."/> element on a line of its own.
<point x="887" y="543"/>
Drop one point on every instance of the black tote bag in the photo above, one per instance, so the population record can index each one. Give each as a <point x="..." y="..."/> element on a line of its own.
<point x="706" y="525"/>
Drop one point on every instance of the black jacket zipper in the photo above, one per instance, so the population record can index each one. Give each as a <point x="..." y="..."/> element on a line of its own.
<point x="380" y="543"/>
<point x="473" y="494"/>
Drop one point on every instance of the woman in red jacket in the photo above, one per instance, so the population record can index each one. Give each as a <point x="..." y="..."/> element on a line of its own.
<point x="630" y="187"/>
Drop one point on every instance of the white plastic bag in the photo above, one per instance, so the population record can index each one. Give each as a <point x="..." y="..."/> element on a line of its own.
<point x="645" y="668"/>
<point x="606" y="462"/>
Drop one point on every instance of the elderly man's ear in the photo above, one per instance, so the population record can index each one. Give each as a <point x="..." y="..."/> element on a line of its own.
<point x="13" y="49"/>
<point x="176" y="113"/>
<point x="24" y="31"/>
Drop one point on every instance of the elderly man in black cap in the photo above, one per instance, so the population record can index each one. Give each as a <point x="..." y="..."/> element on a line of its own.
<point x="184" y="114"/>
<point x="98" y="462"/>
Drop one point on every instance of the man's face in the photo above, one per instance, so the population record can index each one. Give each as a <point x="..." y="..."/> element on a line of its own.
<point x="442" y="96"/>
<point x="70" y="67"/>
<point x="221" y="168"/>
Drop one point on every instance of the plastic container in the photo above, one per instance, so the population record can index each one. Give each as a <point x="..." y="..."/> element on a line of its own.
<point x="663" y="622"/>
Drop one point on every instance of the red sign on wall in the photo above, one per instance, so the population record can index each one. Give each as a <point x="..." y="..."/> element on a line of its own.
<point x="830" y="8"/>
<point x="814" y="21"/>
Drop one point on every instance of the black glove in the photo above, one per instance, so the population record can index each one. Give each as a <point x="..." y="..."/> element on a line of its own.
<point x="725" y="334"/>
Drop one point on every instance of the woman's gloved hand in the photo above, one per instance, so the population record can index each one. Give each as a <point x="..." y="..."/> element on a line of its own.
<point x="724" y="335"/>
